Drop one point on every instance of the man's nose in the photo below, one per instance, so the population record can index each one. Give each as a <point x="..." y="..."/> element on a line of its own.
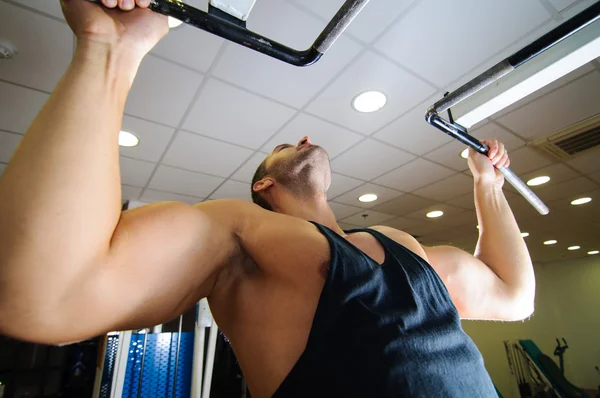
<point x="305" y="141"/>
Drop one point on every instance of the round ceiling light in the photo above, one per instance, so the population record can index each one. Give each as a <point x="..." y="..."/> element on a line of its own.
<point x="127" y="139"/>
<point x="368" y="197"/>
<point x="174" y="22"/>
<point x="465" y="154"/>
<point x="550" y="242"/>
<point x="524" y="234"/>
<point x="591" y="253"/>
<point x="435" y="214"/>
<point x="369" y="101"/>
<point x="581" y="201"/>
<point x="534" y="182"/>
<point x="572" y="248"/>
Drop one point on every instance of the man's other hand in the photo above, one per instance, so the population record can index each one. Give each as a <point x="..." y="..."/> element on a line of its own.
<point x="484" y="169"/>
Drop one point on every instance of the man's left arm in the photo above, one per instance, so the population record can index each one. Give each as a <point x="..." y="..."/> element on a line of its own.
<point x="498" y="281"/>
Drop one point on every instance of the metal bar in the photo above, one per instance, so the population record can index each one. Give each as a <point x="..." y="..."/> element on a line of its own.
<point x="177" y="357"/>
<point x="210" y="359"/>
<point x="231" y="31"/>
<point x="139" y="387"/>
<point x="460" y="133"/>
<point x="555" y="36"/>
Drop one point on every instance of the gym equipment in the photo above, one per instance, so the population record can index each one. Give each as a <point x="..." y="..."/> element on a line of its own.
<point x="492" y="75"/>
<point x="559" y="351"/>
<point x="537" y="374"/>
<point x="230" y="23"/>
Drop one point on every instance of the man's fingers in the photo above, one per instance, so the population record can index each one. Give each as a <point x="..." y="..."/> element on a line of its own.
<point x="126" y="5"/>
<point x="499" y="153"/>
<point x="492" y="148"/>
<point x="109" y="3"/>
<point x="502" y="162"/>
<point x="143" y="3"/>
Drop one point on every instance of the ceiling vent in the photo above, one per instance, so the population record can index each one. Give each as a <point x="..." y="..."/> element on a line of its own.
<point x="571" y="141"/>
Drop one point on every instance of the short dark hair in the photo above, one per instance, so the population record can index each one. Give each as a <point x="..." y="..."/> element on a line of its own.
<point x="257" y="198"/>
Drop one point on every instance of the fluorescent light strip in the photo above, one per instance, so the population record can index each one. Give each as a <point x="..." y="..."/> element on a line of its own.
<point x="571" y="60"/>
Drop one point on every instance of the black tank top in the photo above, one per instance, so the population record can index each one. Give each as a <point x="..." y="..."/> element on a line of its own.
<point x="388" y="330"/>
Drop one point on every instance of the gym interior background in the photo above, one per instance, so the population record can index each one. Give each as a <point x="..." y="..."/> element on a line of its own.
<point x="207" y="112"/>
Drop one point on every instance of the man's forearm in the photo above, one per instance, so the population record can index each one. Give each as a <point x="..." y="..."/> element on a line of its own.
<point x="500" y="244"/>
<point x="60" y="195"/>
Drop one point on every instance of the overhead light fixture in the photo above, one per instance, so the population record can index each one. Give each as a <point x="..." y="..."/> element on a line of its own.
<point x="174" y="22"/>
<point x="550" y="242"/>
<point x="573" y="248"/>
<point x="524" y="234"/>
<point x="369" y="101"/>
<point x="591" y="253"/>
<point x="435" y="214"/>
<point x="127" y="139"/>
<point x="534" y="182"/>
<point x="465" y="154"/>
<point x="368" y="197"/>
<point x="581" y="201"/>
<point x="554" y="63"/>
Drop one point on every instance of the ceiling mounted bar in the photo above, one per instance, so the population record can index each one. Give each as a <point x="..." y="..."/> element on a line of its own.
<point x="232" y="29"/>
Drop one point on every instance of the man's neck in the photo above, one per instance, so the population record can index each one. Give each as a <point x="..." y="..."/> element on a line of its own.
<point x="314" y="208"/>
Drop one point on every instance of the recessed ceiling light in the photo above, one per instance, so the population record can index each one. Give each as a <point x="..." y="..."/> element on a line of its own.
<point x="368" y="197"/>
<point x="581" y="201"/>
<point x="370" y="101"/>
<point x="534" y="182"/>
<point x="572" y="248"/>
<point x="524" y="234"/>
<point x="550" y="242"/>
<point x="127" y="139"/>
<point x="174" y="22"/>
<point x="591" y="253"/>
<point x="465" y="153"/>
<point x="435" y="214"/>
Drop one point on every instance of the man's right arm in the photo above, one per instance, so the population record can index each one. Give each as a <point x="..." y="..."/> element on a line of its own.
<point x="71" y="265"/>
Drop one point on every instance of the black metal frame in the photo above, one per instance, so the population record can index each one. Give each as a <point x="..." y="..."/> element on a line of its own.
<point x="230" y="28"/>
<point x="460" y="133"/>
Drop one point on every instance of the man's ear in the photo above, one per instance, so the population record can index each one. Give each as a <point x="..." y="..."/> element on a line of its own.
<point x="263" y="185"/>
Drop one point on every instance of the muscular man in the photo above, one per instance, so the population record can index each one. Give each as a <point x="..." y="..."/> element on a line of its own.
<point x="310" y="310"/>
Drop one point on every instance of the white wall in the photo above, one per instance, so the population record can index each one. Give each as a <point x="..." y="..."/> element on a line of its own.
<point x="567" y="305"/>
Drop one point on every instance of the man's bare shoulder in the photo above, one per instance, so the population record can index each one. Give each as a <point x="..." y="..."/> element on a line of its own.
<point x="403" y="238"/>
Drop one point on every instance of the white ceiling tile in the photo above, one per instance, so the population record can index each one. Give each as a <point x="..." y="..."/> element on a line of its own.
<point x="369" y="159"/>
<point x="449" y="212"/>
<point x="50" y="7"/>
<point x="586" y="162"/>
<point x="184" y="182"/>
<point x="372" y="218"/>
<point x="151" y="195"/>
<point x="492" y="26"/>
<point x="404" y="205"/>
<point x="576" y="7"/>
<point x="135" y="172"/>
<point x="401" y="223"/>
<point x="369" y="72"/>
<point x="448" y="188"/>
<point x="246" y="172"/>
<point x="569" y="104"/>
<point x="371" y="21"/>
<point x="341" y="184"/>
<point x="162" y="91"/>
<point x="197" y="153"/>
<point x="414" y="175"/>
<point x="44" y="45"/>
<point x="289" y="84"/>
<point x="130" y="193"/>
<point x="466" y="201"/>
<point x="595" y="176"/>
<point x="233" y="115"/>
<point x="332" y="138"/>
<point x="8" y="145"/>
<point x="233" y="190"/>
<point x="526" y="159"/>
<point x="459" y="219"/>
<point x="153" y="137"/>
<point x="18" y="107"/>
<point x="426" y="229"/>
<point x="557" y="172"/>
<point x="383" y="194"/>
<point x="566" y="189"/>
<point x="562" y="4"/>
<point x="449" y="156"/>
<point x="347" y="227"/>
<point x="190" y="46"/>
<point x="492" y="130"/>
<point x="2" y="168"/>
<point x="342" y="211"/>
<point x="412" y="133"/>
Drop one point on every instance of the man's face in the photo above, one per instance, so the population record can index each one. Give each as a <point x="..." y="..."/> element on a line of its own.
<point x="303" y="169"/>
